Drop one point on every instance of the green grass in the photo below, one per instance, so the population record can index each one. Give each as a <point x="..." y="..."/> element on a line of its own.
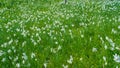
<point x="78" y="34"/>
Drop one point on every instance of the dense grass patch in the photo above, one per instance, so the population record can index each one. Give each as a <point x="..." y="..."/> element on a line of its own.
<point x="52" y="34"/>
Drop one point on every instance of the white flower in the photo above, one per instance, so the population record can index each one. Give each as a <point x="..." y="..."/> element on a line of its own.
<point x="81" y="59"/>
<point x="45" y="65"/>
<point x="104" y="58"/>
<point x="119" y="27"/>
<point x="108" y="39"/>
<point x="102" y="40"/>
<point x="3" y="59"/>
<point x="56" y="42"/>
<point x="32" y="55"/>
<point x="10" y="57"/>
<point x="65" y="66"/>
<point x="111" y="42"/>
<point x="70" y="60"/>
<point x="23" y="61"/>
<point x="116" y="58"/>
<point x="114" y="31"/>
<point x="37" y="35"/>
<point x="59" y="47"/>
<point x="8" y="38"/>
<point x="10" y="41"/>
<point x="24" y="56"/>
<point x="116" y="66"/>
<point x="112" y="48"/>
<point x="9" y="51"/>
<point x="17" y="30"/>
<point x="73" y="25"/>
<point x="18" y="65"/>
<point x="90" y="39"/>
<point x="34" y="43"/>
<point x="117" y="48"/>
<point x="23" y="44"/>
<point x="53" y="50"/>
<point x="82" y="36"/>
<point x="94" y="49"/>
<point x="15" y="59"/>
<point x="106" y="63"/>
<point x="1" y="52"/>
<point x="105" y="47"/>
<point x="70" y="30"/>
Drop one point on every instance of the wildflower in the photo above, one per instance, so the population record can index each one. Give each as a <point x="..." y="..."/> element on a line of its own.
<point x="18" y="65"/>
<point x="65" y="66"/>
<point x="108" y="39"/>
<point x="32" y="55"/>
<point x="90" y="39"/>
<point x="23" y="44"/>
<point x="9" y="51"/>
<point x="4" y="44"/>
<point x="56" y="42"/>
<point x="8" y="38"/>
<point x="112" y="48"/>
<point x="1" y="52"/>
<point x="62" y="39"/>
<point x="70" y="60"/>
<point x="37" y="35"/>
<point x="63" y="29"/>
<point x="15" y="59"/>
<point x="34" y="43"/>
<point x="55" y="39"/>
<point x="24" y="56"/>
<point x="45" y="65"/>
<point x="17" y="30"/>
<point x="117" y="48"/>
<point x="116" y="66"/>
<point x="114" y="31"/>
<point x="59" y="47"/>
<point x="82" y="35"/>
<point x="111" y="42"/>
<point x="23" y="61"/>
<point x="116" y="58"/>
<point x="35" y="59"/>
<point x="119" y="27"/>
<point x="10" y="41"/>
<point x="3" y="59"/>
<point x="39" y="39"/>
<point x="106" y="63"/>
<point x="10" y="57"/>
<point x="102" y="40"/>
<point x="81" y="59"/>
<point x="94" y="49"/>
<point x="104" y="58"/>
<point x="70" y="30"/>
<point x="53" y="50"/>
<point x="66" y="26"/>
<point x="105" y="47"/>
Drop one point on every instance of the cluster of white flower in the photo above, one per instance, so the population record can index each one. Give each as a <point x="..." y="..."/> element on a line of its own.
<point x="30" y="31"/>
<point x="116" y="58"/>
<point x="111" y="43"/>
<point x="70" y="61"/>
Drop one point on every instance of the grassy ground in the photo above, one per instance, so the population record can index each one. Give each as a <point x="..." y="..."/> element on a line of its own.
<point x="51" y="34"/>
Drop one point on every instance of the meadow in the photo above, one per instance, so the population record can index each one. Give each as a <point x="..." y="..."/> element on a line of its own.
<point x="52" y="34"/>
